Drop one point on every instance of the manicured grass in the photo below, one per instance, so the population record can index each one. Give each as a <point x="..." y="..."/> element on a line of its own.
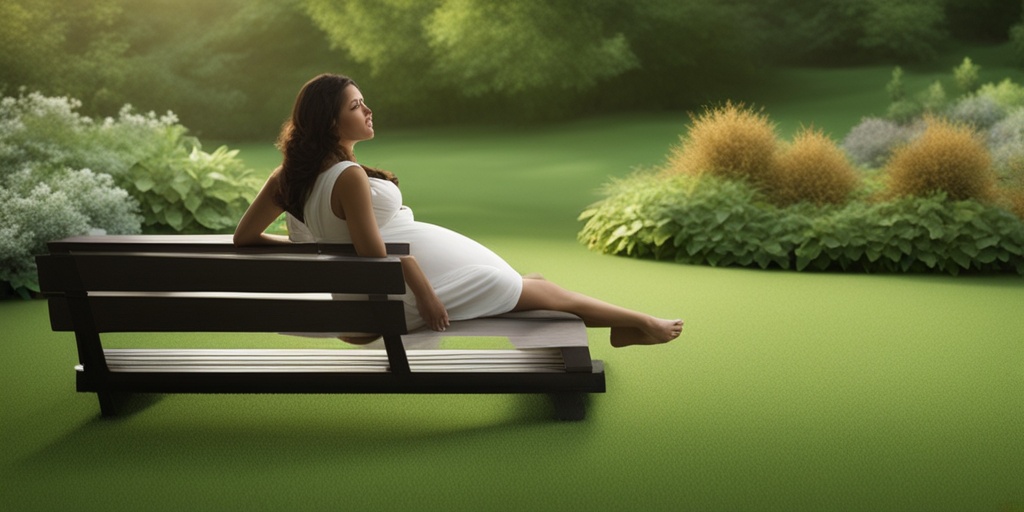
<point x="788" y="391"/>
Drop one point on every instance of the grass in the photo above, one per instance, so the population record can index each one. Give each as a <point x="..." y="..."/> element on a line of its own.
<point x="788" y="391"/>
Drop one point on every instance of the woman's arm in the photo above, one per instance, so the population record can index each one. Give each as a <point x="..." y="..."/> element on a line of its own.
<point x="351" y="200"/>
<point x="260" y="214"/>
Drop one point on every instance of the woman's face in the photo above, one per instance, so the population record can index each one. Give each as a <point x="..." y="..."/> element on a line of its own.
<point x="355" y="120"/>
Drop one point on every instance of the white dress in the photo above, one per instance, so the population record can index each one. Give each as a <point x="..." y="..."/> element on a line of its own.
<point x="470" y="279"/>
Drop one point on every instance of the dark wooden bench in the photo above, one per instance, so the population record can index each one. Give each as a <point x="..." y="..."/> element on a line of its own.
<point x="202" y="283"/>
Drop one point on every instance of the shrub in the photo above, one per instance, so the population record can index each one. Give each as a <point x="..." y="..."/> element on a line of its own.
<point x="729" y="141"/>
<point x="1014" y="199"/>
<point x="904" y="111"/>
<point x="49" y="132"/>
<point x="690" y="219"/>
<point x="193" y="192"/>
<point x="933" y="99"/>
<point x="966" y="76"/>
<point x="873" y="140"/>
<point x="180" y="187"/>
<point x="1006" y="142"/>
<point x="946" y="158"/>
<point x="981" y="112"/>
<point x="1005" y="93"/>
<point x="895" y="88"/>
<point x="37" y="206"/>
<point x="813" y="169"/>
<point x="711" y="221"/>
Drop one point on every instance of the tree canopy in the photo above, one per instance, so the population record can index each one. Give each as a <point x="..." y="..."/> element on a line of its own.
<point x="231" y="68"/>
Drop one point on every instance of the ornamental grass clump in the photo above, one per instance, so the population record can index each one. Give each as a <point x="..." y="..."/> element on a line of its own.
<point x="731" y="142"/>
<point x="813" y="169"/>
<point x="948" y="158"/>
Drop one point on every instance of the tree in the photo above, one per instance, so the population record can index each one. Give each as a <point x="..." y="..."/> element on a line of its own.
<point x="844" y="31"/>
<point x="910" y="29"/>
<point x="540" y="58"/>
<point x="64" y="48"/>
<point x="477" y="46"/>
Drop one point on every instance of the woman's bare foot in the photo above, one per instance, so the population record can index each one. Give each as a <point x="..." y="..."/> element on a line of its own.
<point x="657" y="330"/>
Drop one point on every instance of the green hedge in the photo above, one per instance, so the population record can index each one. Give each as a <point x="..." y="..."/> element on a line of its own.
<point x="728" y="223"/>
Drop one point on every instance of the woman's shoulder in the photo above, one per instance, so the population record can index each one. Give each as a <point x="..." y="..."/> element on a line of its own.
<point x="340" y="166"/>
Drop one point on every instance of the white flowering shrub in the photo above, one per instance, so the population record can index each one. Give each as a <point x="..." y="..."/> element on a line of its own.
<point x="179" y="187"/>
<point x="873" y="140"/>
<point x="981" y="112"/>
<point x="37" y="206"/>
<point x="62" y="173"/>
<point x="1006" y="141"/>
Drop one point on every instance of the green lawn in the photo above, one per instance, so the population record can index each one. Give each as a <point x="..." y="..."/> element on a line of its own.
<point x="787" y="392"/>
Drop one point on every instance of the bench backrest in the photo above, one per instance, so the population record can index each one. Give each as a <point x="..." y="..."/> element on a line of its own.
<point x="203" y="283"/>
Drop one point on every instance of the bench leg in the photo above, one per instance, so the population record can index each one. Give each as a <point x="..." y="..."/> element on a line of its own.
<point x="114" y="403"/>
<point x="109" y="402"/>
<point x="570" y="406"/>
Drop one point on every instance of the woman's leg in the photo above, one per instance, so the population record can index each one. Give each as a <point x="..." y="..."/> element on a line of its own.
<point x="627" y="327"/>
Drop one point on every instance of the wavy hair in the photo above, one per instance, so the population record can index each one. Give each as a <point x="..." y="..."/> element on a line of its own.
<point x="309" y="141"/>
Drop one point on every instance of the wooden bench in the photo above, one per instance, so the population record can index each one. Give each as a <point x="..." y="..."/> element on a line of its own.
<point x="202" y="283"/>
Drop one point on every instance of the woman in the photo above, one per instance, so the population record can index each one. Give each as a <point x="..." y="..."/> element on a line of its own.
<point x="449" y="276"/>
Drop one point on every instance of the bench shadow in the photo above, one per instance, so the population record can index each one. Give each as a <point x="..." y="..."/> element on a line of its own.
<point x="130" y="404"/>
<point x="131" y="439"/>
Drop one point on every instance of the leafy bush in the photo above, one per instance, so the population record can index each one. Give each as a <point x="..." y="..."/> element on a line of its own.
<point x="904" y="111"/>
<point x="50" y="132"/>
<point x="966" y="76"/>
<point x="873" y="140"/>
<point x="707" y="220"/>
<point x="730" y="141"/>
<point x="813" y="169"/>
<point x="690" y="219"/>
<point x="1006" y="93"/>
<point x="946" y="158"/>
<point x="981" y="112"/>
<point x="194" y="192"/>
<point x="180" y="187"/>
<point x="1006" y="141"/>
<point x="895" y="88"/>
<point x="933" y="99"/>
<point x="37" y="206"/>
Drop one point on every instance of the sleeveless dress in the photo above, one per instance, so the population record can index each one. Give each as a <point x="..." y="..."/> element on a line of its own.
<point x="470" y="279"/>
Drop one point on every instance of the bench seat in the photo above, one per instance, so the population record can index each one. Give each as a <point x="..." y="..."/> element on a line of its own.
<point x="327" y="360"/>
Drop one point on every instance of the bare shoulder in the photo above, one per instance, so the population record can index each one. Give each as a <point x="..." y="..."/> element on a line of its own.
<point x="347" y="178"/>
<point x="351" y="192"/>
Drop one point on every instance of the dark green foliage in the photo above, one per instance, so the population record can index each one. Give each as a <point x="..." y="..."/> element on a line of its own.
<point x="63" y="47"/>
<point x="721" y="223"/>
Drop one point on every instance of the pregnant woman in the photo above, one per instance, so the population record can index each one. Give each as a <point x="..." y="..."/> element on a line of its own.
<point x="448" y="276"/>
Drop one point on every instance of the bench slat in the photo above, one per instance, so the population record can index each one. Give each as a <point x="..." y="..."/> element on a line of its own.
<point x="324" y="360"/>
<point x="199" y="244"/>
<point x="197" y="314"/>
<point x="284" y="273"/>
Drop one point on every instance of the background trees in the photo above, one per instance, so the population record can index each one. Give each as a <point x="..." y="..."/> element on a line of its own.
<point x="230" y="69"/>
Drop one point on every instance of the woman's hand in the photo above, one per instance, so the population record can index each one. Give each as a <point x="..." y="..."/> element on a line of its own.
<point x="433" y="312"/>
<point x="429" y="306"/>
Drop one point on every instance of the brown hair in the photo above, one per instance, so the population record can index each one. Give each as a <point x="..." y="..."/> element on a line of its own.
<point x="308" y="141"/>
